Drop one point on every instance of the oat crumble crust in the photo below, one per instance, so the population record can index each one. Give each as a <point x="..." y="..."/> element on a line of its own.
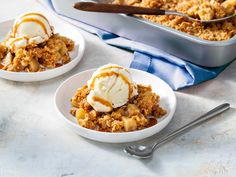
<point x="201" y="9"/>
<point x="50" y="54"/>
<point x="132" y="116"/>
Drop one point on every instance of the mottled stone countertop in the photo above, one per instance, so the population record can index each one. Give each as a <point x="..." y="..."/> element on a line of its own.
<point x="33" y="143"/>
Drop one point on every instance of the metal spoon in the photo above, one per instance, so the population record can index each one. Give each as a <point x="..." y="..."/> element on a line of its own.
<point x="141" y="151"/>
<point x="124" y="9"/>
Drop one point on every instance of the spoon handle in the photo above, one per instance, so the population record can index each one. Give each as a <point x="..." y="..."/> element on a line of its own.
<point x="113" y="8"/>
<point x="217" y="110"/>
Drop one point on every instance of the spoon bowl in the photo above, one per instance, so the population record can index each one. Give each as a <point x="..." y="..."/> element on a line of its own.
<point x="139" y="151"/>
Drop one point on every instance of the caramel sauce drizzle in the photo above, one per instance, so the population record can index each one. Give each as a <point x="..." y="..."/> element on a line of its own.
<point x="1" y="66"/>
<point x="152" y="122"/>
<point x="110" y="67"/>
<point x="13" y="47"/>
<point x="15" y="40"/>
<point x="117" y="67"/>
<point x="35" y="13"/>
<point x="124" y="78"/>
<point x="58" y="65"/>
<point x="29" y="20"/>
<point x="102" y="101"/>
<point x="112" y="73"/>
<point x="18" y="39"/>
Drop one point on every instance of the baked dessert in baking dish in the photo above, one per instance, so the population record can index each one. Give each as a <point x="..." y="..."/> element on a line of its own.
<point x="201" y="9"/>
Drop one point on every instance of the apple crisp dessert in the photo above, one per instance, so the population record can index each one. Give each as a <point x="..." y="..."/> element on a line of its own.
<point x="32" y="45"/>
<point x="201" y="9"/>
<point x="50" y="54"/>
<point x="129" y="117"/>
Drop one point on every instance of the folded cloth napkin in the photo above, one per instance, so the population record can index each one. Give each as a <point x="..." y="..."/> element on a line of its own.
<point x="175" y="71"/>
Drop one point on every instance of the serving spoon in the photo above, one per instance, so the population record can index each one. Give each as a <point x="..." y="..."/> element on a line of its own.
<point x="124" y="9"/>
<point x="141" y="151"/>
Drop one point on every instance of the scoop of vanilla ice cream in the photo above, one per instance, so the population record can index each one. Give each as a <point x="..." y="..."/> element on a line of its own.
<point x="111" y="86"/>
<point x="29" y="28"/>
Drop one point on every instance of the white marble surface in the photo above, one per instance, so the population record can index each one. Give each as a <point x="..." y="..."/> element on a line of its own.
<point x="33" y="143"/>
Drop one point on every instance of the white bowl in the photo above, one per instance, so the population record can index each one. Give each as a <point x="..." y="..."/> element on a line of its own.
<point x="67" y="89"/>
<point x="76" y="55"/>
